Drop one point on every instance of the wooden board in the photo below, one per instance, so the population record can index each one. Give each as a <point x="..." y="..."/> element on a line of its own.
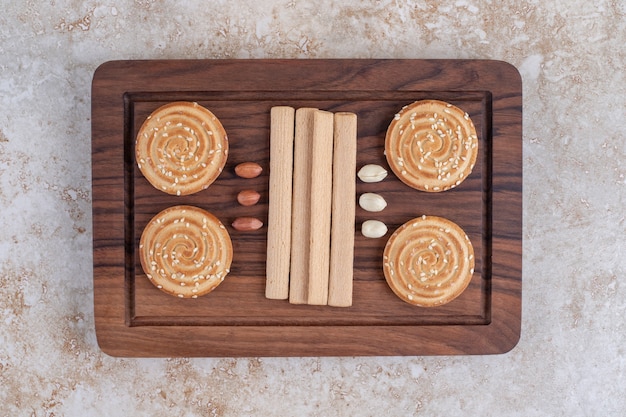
<point x="133" y="318"/>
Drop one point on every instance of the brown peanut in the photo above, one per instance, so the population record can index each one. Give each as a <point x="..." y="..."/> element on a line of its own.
<point x="248" y="197"/>
<point x="247" y="224"/>
<point x="248" y="170"/>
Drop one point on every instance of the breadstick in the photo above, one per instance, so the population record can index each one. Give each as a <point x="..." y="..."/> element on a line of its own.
<point x="279" y="211"/>
<point x="301" y="210"/>
<point x="320" y="203"/>
<point x="343" y="210"/>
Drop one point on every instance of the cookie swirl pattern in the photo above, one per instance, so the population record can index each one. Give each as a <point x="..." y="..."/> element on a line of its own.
<point x="431" y="145"/>
<point x="428" y="261"/>
<point x="181" y="148"/>
<point x="185" y="251"/>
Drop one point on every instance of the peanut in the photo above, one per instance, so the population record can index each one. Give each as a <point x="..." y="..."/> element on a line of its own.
<point x="247" y="224"/>
<point x="248" y="170"/>
<point x="373" y="229"/>
<point x="372" y="202"/>
<point x="248" y="197"/>
<point x="372" y="173"/>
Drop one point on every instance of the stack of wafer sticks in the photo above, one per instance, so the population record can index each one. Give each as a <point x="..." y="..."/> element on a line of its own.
<point x="310" y="241"/>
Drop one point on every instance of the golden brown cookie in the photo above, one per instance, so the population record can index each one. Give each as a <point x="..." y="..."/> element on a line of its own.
<point x="185" y="251"/>
<point x="431" y="145"/>
<point x="428" y="261"/>
<point x="181" y="148"/>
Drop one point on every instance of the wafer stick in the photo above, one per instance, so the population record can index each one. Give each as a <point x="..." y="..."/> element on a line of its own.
<point x="301" y="210"/>
<point x="279" y="211"/>
<point x="343" y="210"/>
<point x="320" y="202"/>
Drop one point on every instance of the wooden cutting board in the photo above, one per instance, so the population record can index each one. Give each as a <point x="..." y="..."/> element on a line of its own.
<point x="133" y="318"/>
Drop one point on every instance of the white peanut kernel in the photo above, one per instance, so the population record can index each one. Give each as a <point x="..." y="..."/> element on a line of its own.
<point x="372" y="173"/>
<point x="373" y="229"/>
<point x="372" y="202"/>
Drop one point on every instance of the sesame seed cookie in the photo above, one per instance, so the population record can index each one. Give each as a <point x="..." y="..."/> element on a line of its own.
<point x="431" y="145"/>
<point x="185" y="251"/>
<point x="181" y="148"/>
<point x="428" y="261"/>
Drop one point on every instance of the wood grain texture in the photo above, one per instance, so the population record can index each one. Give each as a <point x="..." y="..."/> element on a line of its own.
<point x="301" y="207"/>
<point x="135" y="319"/>
<point x="282" y="126"/>
<point x="343" y="210"/>
<point x="320" y="206"/>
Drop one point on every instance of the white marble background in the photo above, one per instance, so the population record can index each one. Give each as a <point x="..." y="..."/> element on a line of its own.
<point x="571" y="359"/>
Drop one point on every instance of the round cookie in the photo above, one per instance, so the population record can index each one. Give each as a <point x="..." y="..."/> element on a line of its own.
<point x="185" y="251"/>
<point x="428" y="261"/>
<point x="181" y="148"/>
<point x="431" y="145"/>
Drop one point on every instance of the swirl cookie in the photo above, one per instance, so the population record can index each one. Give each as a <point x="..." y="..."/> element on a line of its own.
<point x="181" y="148"/>
<point x="185" y="251"/>
<point x="431" y="145"/>
<point x="428" y="261"/>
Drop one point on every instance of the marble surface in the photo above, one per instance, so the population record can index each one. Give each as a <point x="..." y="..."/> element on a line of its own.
<point x="571" y="359"/>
